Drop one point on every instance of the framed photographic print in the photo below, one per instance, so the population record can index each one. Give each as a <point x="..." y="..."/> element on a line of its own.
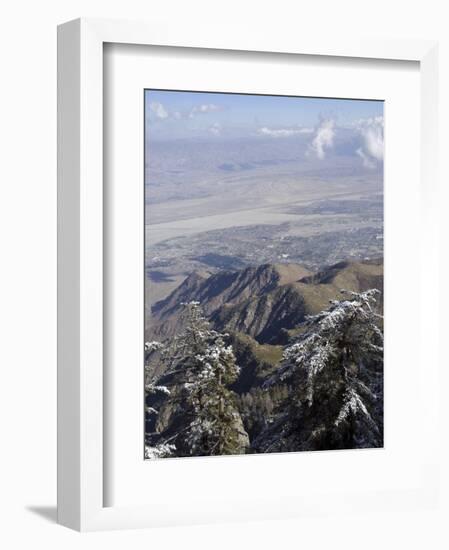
<point x="234" y="277"/>
<point x="264" y="273"/>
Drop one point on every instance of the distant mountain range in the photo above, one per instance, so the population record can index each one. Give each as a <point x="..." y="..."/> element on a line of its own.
<point x="263" y="302"/>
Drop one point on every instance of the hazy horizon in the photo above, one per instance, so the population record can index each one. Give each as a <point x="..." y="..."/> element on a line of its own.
<point x="223" y="169"/>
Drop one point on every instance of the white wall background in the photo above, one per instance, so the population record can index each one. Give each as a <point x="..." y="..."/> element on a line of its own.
<point x="28" y="267"/>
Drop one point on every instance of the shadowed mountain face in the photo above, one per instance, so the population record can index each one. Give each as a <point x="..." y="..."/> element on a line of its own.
<point x="263" y="302"/>
<point x="355" y="276"/>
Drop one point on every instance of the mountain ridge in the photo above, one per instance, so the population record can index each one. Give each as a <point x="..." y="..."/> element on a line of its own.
<point x="263" y="301"/>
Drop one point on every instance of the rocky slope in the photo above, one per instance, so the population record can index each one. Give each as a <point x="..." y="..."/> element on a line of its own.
<point x="263" y="302"/>
<point x="259" y="309"/>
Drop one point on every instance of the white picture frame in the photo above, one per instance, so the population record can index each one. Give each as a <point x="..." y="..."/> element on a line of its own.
<point x="81" y="489"/>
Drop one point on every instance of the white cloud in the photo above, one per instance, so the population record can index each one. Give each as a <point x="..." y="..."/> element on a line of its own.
<point x="367" y="161"/>
<point x="324" y="138"/>
<point x="204" y="109"/>
<point x="215" y="129"/>
<point x="158" y="109"/>
<point x="371" y="131"/>
<point x="283" y="132"/>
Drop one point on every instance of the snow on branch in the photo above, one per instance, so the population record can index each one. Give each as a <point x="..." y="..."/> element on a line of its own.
<point x="163" y="450"/>
<point x="347" y="331"/>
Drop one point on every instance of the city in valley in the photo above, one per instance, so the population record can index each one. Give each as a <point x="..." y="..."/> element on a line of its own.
<point x="263" y="274"/>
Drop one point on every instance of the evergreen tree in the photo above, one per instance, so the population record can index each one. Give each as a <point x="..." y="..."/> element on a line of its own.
<point x="205" y="367"/>
<point x="256" y="408"/>
<point x="161" y="449"/>
<point x="334" y="371"/>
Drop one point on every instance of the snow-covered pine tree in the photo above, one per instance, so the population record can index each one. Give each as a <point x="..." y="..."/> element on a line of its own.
<point x="334" y="372"/>
<point x="206" y="366"/>
<point x="160" y="449"/>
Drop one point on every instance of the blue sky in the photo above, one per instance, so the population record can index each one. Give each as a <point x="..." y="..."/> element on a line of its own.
<point x="173" y="115"/>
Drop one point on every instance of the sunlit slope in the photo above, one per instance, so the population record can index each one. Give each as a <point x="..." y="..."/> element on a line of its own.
<point x="265" y="301"/>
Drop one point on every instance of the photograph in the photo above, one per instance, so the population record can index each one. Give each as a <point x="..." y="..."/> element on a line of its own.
<point x="225" y="246"/>
<point x="264" y="245"/>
